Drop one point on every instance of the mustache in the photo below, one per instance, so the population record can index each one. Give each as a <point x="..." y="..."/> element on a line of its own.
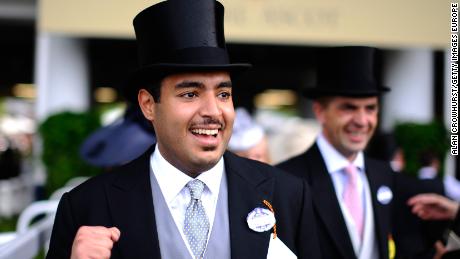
<point x="208" y="121"/>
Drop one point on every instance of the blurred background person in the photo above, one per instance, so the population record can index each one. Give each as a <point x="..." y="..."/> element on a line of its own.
<point x="430" y="169"/>
<point x="430" y="165"/>
<point x="452" y="187"/>
<point x="16" y="187"/>
<point x="436" y="207"/>
<point x="120" y="142"/>
<point x="248" y="138"/>
<point x="9" y="159"/>
<point x="384" y="146"/>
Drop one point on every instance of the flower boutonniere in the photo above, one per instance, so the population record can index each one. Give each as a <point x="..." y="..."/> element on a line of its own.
<point x="391" y="247"/>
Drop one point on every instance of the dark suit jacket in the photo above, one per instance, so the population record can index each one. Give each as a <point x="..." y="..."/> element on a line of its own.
<point x="414" y="237"/>
<point x="123" y="198"/>
<point x="456" y="224"/>
<point x="332" y="230"/>
<point x="455" y="227"/>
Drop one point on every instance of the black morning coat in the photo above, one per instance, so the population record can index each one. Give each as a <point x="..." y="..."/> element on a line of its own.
<point x="455" y="227"/>
<point x="123" y="199"/>
<point x="332" y="230"/>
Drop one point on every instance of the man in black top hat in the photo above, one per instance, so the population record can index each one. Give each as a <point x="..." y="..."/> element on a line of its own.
<point x="186" y="197"/>
<point x="352" y="193"/>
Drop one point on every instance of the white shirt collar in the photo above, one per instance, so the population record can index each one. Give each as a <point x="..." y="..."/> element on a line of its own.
<point x="333" y="159"/>
<point x="172" y="180"/>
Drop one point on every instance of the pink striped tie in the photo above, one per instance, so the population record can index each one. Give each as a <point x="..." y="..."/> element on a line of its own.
<point x="352" y="198"/>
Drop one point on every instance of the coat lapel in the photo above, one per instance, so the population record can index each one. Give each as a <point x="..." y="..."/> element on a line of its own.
<point x="326" y="203"/>
<point x="377" y="178"/>
<point x="131" y="206"/>
<point x="247" y="188"/>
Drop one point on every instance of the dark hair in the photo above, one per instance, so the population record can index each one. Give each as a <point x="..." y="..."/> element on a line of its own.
<point x="427" y="157"/>
<point x="324" y="100"/>
<point x="154" y="89"/>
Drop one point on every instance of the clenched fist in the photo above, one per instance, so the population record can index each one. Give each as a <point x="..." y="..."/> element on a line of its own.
<point x="94" y="242"/>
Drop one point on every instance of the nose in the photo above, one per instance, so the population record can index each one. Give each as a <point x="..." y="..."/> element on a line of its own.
<point x="360" y="118"/>
<point x="210" y="106"/>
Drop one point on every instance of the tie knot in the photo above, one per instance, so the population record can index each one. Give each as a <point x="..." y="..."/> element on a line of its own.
<point x="351" y="169"/>
<point x="196" y="188"/>
<point x="352" y="172"/>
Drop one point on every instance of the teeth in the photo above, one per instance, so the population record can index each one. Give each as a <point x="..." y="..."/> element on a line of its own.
<point x="206" y="131"/>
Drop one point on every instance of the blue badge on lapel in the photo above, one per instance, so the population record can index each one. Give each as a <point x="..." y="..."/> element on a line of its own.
<point x="384" y="195"/>
<point x="261" y="219"/>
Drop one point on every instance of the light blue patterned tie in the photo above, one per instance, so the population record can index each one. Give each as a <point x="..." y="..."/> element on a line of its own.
<point x="196" y="224"/>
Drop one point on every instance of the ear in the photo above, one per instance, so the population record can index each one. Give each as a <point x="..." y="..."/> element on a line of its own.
<point x="147" y="104"/>
<point x="318" y="110"/>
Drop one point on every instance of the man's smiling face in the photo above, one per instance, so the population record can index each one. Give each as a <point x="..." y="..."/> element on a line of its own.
<point x="348" y="123"/>
<point x="193" y="119"/>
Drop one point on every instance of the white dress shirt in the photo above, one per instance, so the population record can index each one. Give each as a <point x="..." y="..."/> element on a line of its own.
<point x="335" y="164"/>
<point x="172" y="184"/>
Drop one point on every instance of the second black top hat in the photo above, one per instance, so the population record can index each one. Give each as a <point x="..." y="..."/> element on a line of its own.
<point x="346" y="71"/>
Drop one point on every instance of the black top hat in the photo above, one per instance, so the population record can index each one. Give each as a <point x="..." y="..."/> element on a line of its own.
<point x="346" y="71"/>
<point x="179" y="36"/>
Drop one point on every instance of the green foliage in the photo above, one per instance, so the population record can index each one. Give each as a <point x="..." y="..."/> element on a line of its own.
<point x="416" y="138"/>
<point x="40" y="255"/>
<point x="62" y="135"/>
<point x="8" y="224"/>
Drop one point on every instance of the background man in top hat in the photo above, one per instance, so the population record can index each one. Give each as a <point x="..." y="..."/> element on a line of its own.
<point x="185" y="198"/>
<point x="352" y="194"/>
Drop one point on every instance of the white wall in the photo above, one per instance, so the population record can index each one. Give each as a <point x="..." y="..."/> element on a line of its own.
<point x="410" y="75"/>
<point x="61" y="75"/>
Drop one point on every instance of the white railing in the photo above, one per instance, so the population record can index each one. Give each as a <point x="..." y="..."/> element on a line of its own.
<point x="30" y="238"/>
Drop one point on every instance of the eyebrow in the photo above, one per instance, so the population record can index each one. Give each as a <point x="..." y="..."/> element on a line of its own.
<point x="189" y="84"/>
<point x="227" y="84"/>
<point x="375" y="105"/>
<point x="354" y="106"/>
<point x="195" y="84"/>
<point x="349" y="105"/>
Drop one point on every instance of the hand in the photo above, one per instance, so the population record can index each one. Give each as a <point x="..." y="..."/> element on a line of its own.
<point x="440" y="250"/>
<point x="430" y="206"/>
<point x="94" y="242"/>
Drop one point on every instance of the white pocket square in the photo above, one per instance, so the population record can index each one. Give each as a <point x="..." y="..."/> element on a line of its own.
<point x="277" y="249"/>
